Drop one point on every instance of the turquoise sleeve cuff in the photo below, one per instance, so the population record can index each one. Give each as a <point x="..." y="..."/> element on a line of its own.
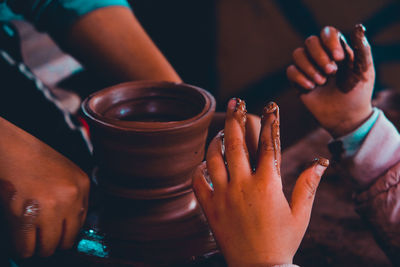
<point x="56" y="16"/>
<point x="353" y="141"/>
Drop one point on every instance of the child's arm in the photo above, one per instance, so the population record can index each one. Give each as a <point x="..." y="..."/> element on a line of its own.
<point x="341" y="80"/>
<point x="249" y="215"/>
<point x="343" y="106"/>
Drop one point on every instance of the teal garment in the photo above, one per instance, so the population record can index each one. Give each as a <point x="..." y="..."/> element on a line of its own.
<point x="6" y="14"/>
<point x="353" y="141"/>
<point x="53" y="16"/>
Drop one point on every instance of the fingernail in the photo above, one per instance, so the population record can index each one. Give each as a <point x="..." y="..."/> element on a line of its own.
<point x="321" y="164"/>
<point x="310" y="85"/>
<point x="270" y="108"/>
<point x="331" y="68"/>
<point x="240" y="113"/>
<point x="232" y="104"/>
<point x="326" y="30"/>
<point x="361" y="28"/>
<point x="319" y="79"/>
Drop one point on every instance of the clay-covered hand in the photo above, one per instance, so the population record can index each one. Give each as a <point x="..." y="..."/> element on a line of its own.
<point x="337" y="80"/>
<point x="252" y="221"/>
<point x="44" y="195"/>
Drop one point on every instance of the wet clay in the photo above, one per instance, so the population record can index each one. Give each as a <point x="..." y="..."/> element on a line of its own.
<point x="354" y="68"/>
<point x="240" y="113"/>
<point x="322" y="161"/>
<point x="272" y="108"/>
<point x="360" y="46"/>
<point x="148" y="138"/>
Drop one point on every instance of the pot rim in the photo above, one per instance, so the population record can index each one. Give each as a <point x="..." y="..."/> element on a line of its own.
<point x="135" y="126"/>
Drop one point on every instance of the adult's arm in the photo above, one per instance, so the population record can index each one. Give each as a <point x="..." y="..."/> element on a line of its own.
<point x="103" y="34"/>
<point x="111" y="41"/>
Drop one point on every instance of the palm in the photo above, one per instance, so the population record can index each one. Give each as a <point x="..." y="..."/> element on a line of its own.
<point x="333" y="107"/>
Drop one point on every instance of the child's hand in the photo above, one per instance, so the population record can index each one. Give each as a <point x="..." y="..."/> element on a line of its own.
<point x="249" y="215"/>
<point x="341" y="102"/>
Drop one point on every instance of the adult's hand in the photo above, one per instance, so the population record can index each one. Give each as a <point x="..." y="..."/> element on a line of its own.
<point x="43" y="194"/>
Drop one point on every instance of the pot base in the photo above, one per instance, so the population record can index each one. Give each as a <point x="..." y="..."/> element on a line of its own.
<point x="126" y="232"/>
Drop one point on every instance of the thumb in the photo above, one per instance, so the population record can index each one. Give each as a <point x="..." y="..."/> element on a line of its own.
<point x="305" y="188"/>
<point x="362" y="50"/>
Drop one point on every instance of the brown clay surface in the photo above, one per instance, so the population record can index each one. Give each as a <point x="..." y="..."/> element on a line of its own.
<point x="148" y="137"/>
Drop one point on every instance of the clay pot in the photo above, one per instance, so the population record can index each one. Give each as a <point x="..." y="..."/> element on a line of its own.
<point x="148" y="137"/>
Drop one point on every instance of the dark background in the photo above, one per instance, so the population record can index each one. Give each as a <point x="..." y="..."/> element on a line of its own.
<point x="242" y="47"/>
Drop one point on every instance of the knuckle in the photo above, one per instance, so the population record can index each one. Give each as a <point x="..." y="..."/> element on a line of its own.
<point x="85" y="182"/>
<point x="266" y="145"/>
<point x="50" y="202"/>
<point x="234" y="145"/>
<point x="214" y="159"/>
<point x="71" y="191"/>
<point x="61" y="196"/>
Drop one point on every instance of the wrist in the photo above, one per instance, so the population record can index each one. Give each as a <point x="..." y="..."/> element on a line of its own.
<point x="351" y="123"/>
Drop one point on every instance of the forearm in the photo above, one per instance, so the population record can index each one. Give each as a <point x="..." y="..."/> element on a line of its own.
<point x="112" y="42"/>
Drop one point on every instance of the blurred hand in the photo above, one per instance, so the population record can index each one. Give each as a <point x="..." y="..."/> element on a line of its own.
<point x="337" y="80"/>
<point x="44" y="195"/>
<point x="248" y="213"/>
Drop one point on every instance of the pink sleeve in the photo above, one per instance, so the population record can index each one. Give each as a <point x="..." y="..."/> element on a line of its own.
<point x="376" y="170"/>
<point x="379" y="151"/>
